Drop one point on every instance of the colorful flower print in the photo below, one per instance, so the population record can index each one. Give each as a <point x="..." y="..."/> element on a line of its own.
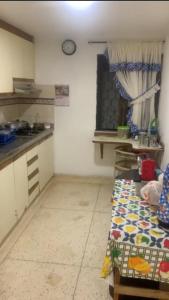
<point x="139" y="264"/>
<point x="123" y="201"/>
<point x="154" y="220"/>
<point x="132" y="217"/>
<point x="125" y="193"/>
<point x="144" y="213"/>
<point x="164" y="269"/>
<point x="142" y="239"/>
<point x="116" y="234"/>
<point x="133" y="198"/>
<point x="133" y="206"/>
<point x="130" y="229"/>
<point x="166" y="243"/>
<point x="114" y="202"/>
<point x="118" y="220"/>
<point x="144" y="224"/>
<point x="122" y="210"/>
<point x="157" y="233"/>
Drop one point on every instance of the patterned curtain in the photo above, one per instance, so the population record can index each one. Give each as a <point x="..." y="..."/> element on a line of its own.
<point x="136" y="65"/>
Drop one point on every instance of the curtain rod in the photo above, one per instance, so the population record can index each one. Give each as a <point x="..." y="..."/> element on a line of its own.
<point x="105" y="42"/>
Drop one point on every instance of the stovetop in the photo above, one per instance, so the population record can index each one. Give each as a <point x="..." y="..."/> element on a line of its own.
<point x="28" y="131"/>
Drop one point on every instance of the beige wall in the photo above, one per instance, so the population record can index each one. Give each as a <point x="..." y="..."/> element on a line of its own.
<point x="74" y="125"/>
<point x="164" y="105"/>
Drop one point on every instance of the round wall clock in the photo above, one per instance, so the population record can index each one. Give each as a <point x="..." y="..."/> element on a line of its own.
<point x="68" y="47"/>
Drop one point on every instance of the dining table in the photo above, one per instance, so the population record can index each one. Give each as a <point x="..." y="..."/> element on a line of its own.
<point x="138" y="248"/>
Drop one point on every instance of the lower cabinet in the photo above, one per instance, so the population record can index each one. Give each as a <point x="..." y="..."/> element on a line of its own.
<point x="7" y="201"/>
<point x="46" y="169"/>
<point x="21" y="182"/>
<point x="21" y="185"/>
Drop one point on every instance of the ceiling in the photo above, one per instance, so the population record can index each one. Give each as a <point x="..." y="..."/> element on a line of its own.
<point x="103" y="20"/>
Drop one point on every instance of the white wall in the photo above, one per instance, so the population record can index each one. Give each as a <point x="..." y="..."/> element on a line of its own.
<point x="74" y="125"/>
<point x="164" y="105"/>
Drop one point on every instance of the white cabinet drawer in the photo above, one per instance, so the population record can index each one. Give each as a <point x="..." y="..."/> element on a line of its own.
<point x="33" y="167"/>
<point x="33" y="192"/>
<point x="32" y="153"/>
<point x="33" y="180"/>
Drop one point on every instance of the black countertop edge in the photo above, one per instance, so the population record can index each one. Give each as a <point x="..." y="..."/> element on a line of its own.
<point x="10" y="156"/>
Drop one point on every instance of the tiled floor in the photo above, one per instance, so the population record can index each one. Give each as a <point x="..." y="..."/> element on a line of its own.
<point x="60" y="253"/>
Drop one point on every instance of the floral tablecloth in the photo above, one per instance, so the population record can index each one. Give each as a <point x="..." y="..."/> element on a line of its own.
<point x="136" y="244"/>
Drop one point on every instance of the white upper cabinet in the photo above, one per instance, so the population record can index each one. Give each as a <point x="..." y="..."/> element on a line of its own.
<point x="28" y="60"/>
<point x="16" y="60"/>
<point x="6" y="85"/>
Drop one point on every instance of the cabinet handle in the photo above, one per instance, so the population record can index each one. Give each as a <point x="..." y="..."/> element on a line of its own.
<point x="33" y="174"/>
<point x="31" y="190"/>
<point x="32" y="160"/>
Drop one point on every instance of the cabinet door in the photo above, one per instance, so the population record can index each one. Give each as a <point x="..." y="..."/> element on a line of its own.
<point x="16" y="60"/>
<point x="22" y="53"/>
<point x="7" y="201"/>
<point x="46" y="161"/>
<point x="21" y="185"/>
<point x="6" y="84"/>
<point x="17" y="56"/>
<point x="28" y="61"/>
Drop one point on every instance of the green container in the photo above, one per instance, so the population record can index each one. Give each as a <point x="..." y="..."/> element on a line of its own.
<point x="123" y="132"/>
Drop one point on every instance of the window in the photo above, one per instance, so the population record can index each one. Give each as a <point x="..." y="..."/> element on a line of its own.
<point x="111" y="108"/>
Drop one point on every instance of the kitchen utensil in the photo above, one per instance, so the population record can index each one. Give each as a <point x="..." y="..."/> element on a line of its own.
<point x="15" y="125"/>
<point x="47" y="125"/>
<point x="39" y="126"/>
<point x="141" y="137"/>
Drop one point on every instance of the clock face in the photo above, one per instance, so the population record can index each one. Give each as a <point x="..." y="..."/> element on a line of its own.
<point x="68" y="47"/>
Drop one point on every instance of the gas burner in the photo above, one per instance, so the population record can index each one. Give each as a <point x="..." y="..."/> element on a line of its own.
<point x="28" y="131"/>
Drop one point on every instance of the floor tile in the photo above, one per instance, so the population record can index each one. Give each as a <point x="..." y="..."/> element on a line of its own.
<point x="104" y="198"/>
<point x="90" y="286"/>
<point x="21" y="280"/>
<point x="54" y="236"/>
<point x="83" y="179"/>
<point x="97" y="241"/>
<point x="76" y="196"/>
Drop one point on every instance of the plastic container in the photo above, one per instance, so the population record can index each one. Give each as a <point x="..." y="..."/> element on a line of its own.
<point x="6" y="137"/>
<point x="148" y="167"/>
<point x="123" y="132"/>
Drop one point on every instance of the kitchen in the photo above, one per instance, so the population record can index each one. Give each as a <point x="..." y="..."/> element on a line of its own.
<point x="53" y="182"/>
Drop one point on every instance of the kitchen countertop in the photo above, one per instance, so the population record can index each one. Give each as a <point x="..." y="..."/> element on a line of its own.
<point x="22" y="144"/>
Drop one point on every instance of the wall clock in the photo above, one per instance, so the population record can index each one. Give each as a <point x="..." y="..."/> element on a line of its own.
<point x="69" y="47"/>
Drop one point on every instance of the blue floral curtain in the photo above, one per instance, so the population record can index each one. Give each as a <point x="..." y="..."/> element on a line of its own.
<point x="136" y="65"/>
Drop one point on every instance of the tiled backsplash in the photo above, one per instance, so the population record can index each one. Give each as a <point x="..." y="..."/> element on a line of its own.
<point x="9" y="112"/>
<point x="29" y="109"/>
<point x="36" y="113"/>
